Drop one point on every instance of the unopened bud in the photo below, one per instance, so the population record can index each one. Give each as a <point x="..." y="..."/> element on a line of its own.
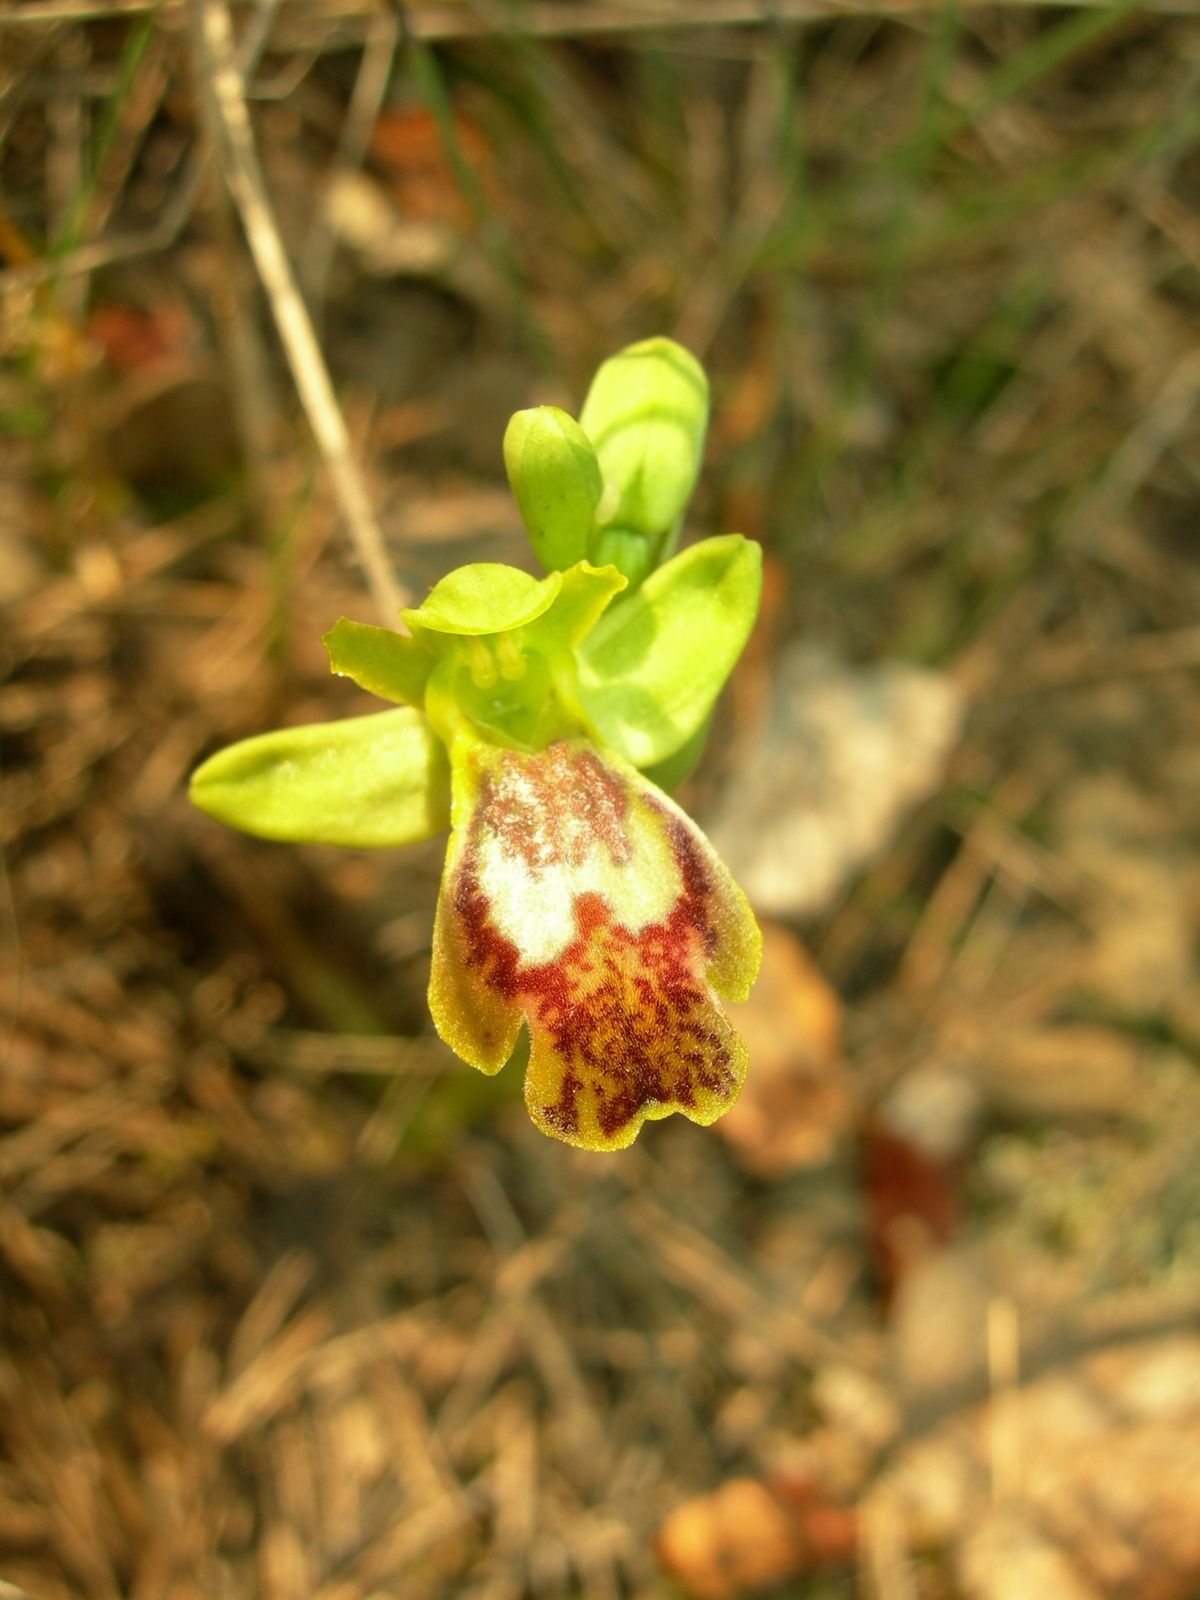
<point x="555" y="479"/>
<point x="646" y="413"/>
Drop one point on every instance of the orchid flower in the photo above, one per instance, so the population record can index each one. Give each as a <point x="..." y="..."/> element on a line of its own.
<point x="541" y="719"/>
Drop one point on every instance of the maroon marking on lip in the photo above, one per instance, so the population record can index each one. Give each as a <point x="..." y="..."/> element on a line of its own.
<point x="551" y="808"/>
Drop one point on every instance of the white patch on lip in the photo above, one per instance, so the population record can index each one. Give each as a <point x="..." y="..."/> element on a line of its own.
<point x="535" y="907"/>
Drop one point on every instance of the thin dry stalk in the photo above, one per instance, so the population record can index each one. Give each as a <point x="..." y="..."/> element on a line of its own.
<point x="370" y="87"/>
<point x="565" y="18"/>
<point x="221" y="86"/>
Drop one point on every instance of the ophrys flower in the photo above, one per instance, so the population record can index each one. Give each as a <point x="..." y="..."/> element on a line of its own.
<point x="535" y="714"/>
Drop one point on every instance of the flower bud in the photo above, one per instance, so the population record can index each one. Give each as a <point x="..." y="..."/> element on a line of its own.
<point x="646" y="413"/>
<point x="555" y="479"/>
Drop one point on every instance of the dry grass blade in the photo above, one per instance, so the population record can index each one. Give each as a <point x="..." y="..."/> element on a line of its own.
<point x="554" y="19"/>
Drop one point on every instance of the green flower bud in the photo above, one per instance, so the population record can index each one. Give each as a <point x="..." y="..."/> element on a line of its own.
<point x="555" y="479"/>
<point x="646" y="413"/>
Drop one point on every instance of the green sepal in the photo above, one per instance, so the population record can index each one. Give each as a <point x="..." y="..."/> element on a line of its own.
<point x="484" y="597"/>
<point x="368" y="782"/>
<point x="669" y="774"/>
<point x="378" y="660"/>
<point x="555" y="478"/>
<point x="647" y="413"/>
<point x="652" y="668"/>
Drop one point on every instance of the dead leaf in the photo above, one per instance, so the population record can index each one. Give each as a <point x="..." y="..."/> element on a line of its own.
<point x="1083" y="1485"/>
<point x="410" y="144"/>
<point x="1075" y="1070"/>
<point x="797" y="1104"/>
<point x="1130" y="844"/>
<point x="938" y="1318"/>
<point x="915" y="1147"/>
<point x="749" y="1535"/>
<point x="132" y="338"/>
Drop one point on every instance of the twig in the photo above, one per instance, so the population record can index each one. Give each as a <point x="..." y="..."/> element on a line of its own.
<point x="370" y="88"/>
<point x="564" y="19"/>
<point x="146" y="241"/>
<point x="1143" y="447"/>
<point x="254" y="37"/>
<point x="1060" y="666"/>
<point x="219" y="78"/>
<point x="67" y="133"/>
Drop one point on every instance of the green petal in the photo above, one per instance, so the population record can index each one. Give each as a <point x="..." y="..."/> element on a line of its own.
<point x="646" y="413"/>
<point x="652" y="668"/>
<point x="485" y="597"/>
<point x="367" y="782"/>
<point x="555" y="479"/>
<point x="378" y="660"/>
<point x="583" y="598"/>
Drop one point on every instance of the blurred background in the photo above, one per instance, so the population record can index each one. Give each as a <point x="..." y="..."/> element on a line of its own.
<point x="291" y="1304"/>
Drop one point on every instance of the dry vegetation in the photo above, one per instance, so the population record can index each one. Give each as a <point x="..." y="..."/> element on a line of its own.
<point x="294" y="1306"/>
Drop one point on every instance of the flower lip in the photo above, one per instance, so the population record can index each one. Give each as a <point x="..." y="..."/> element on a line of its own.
<point x="582" y="902"/>
<point x="484" y="597"/>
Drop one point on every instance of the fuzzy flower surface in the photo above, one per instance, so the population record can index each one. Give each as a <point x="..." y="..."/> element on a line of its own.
<point x="542" y="720"/>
